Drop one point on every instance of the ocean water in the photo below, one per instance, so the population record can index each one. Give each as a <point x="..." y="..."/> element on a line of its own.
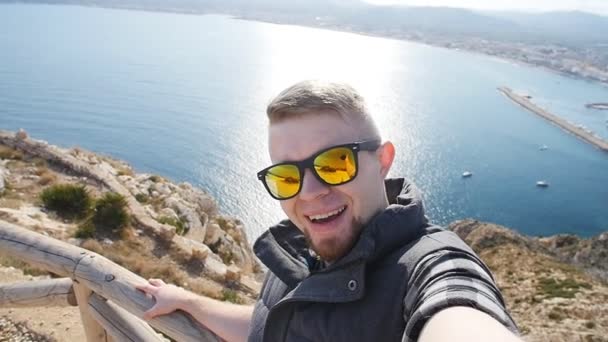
<point x="184" y="96"/>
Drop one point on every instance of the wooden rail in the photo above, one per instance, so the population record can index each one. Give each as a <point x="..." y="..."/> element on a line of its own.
<point x="105" y="293"/>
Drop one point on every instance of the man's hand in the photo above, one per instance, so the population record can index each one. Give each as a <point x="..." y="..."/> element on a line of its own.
<point x="168" y="297"/>
<point x="228" y="321"/>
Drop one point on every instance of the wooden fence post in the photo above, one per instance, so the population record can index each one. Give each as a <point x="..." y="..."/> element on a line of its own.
<point x="94" y="331"/>
<point x="96" y="273"/>
<point x="120" y="324"/>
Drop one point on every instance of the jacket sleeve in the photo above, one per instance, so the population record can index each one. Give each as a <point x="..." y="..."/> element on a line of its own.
<point x="450" y="275"/>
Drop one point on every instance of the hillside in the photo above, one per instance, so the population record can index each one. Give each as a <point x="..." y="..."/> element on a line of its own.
<point x="555" y="287"/>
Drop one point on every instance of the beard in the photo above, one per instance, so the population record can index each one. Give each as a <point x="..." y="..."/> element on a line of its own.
<point x="334" y="248"/>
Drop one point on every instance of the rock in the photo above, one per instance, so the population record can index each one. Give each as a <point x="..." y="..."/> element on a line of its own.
<point x="3" y="174"/>
<point x="233" y="273"/>
<point x="198" y="230"/>
<point x="591" y="254"/>
<point x="168" y="212"/>
<point x="214" y="233"/>
<point x="75" y="241"/>
<point x="193" y="249"/>
<point x="21" y="135"/>
<point x="203" y="201"/>
<point x="107" y="241"/>
<point x="481" y="235"/>
<point x="161" y="188"/>
<point x="193" y="220"/>
<point x="150" y="211"/>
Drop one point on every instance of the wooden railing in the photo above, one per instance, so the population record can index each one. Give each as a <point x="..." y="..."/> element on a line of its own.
<point x="109" y="304"/>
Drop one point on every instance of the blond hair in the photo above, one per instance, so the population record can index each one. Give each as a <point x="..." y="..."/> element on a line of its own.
<point x="314" y="97"/>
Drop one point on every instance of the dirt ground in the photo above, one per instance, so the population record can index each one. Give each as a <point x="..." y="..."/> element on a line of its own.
<point x="38" y="323"/>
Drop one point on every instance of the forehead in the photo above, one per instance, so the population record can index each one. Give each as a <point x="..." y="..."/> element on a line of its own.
<point x="300" y="137"/>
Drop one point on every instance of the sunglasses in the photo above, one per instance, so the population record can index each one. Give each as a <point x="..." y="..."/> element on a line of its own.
<point x="334" y="165"/>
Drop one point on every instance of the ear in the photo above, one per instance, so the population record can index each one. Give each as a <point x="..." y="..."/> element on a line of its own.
<point x="386" y="156"/>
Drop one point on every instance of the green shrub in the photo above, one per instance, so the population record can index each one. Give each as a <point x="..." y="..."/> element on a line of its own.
<point x="124" y="172"/>
<point x="154" y="178"/>
<point x="566" y="288"/>
<point x="68" y="200"/>
<point x="229" y="295"/>
<point x="110" y="212"/>
<point x="142" y="198"/>
<point x="179" y="224"/>
<point x="85" y="230"/>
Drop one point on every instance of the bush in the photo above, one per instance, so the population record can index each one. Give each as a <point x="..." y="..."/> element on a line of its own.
<point x="229" y="295"/>
<point x="142" y="198"/>
<point x="566" y="288"/>
<point x="179" y="224"/>
<point x="110" y="212"/>
<point x="67" y="200"/>
<point x="86" y="230"/>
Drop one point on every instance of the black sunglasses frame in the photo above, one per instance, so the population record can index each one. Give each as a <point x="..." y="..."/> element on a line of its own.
<point x="308" y="163"/>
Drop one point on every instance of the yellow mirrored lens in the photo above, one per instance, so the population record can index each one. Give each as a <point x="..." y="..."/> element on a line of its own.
<point x="283" y="180"/>
<point x="336" y="166"/>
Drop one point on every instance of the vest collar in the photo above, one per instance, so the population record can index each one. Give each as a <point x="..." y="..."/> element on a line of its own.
<point x="283" y="248"/>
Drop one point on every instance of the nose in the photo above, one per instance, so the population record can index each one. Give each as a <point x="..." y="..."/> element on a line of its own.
<point x="311" y="187"/>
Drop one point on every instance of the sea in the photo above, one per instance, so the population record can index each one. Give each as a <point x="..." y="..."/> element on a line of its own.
<point x="184" y="96"/>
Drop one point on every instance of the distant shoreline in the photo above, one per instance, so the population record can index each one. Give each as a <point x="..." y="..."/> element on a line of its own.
<point x="567" y="126"/>
<point x="241" y="16"/>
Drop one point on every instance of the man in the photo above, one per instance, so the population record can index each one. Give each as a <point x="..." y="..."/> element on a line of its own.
<point x="356" y="260"/>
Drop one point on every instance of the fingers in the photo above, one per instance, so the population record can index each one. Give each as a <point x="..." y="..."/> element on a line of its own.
<point x="147" y="288"/>
<point x="158" y="310"/>
<point x="151" y="287"/>
<point x="156" y="282"/>
<point x="148" y="315"/>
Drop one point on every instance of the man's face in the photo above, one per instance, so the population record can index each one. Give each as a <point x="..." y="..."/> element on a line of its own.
<point x="331" y="217"/>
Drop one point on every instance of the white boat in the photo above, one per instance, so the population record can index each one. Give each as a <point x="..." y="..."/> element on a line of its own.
<point x="542" y="184"/>
<point x="543" y="148"/>
<point x="467" y="174"/>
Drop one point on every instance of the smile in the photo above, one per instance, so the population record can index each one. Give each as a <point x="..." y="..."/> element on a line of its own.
<point x="326" y="217"/>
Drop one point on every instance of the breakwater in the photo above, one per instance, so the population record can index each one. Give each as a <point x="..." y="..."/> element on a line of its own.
<point x="599" y="105"/>
<point x="579" y="132"/>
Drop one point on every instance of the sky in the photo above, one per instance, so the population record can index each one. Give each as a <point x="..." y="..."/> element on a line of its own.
<point x="592" y="6"/>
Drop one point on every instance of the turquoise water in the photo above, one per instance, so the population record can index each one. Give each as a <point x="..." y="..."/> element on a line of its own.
<point x="184" y="96"/>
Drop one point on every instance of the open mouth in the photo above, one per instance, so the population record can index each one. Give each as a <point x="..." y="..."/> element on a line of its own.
<point x="327" y="217"/>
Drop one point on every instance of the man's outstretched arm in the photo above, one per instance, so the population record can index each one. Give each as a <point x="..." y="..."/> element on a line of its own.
<point x="228" y="321"/>
<point x="460" y="323"/>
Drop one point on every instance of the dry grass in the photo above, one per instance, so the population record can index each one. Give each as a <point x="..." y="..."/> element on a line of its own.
<point x="11" y="203"/>
<point x="47" y="178"/>
<point x="10" y="153"/>
<point x="548" y="298"/>
<point x="8" y="261"/>
<point x="149" y="258"/>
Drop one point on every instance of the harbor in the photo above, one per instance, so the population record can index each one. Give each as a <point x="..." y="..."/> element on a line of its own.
<point x="577" y="130"/>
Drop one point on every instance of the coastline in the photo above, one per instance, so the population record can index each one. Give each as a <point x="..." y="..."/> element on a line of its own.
<point x="240" y="16"/>
<point x="554" y="119"/>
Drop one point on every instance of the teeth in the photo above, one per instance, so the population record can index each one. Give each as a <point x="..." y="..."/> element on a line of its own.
<point x="326" y="215"/>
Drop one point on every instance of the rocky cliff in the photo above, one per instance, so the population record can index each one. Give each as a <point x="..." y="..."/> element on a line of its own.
<point x="177" y="223"/>
<point x="555" y="287"/>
